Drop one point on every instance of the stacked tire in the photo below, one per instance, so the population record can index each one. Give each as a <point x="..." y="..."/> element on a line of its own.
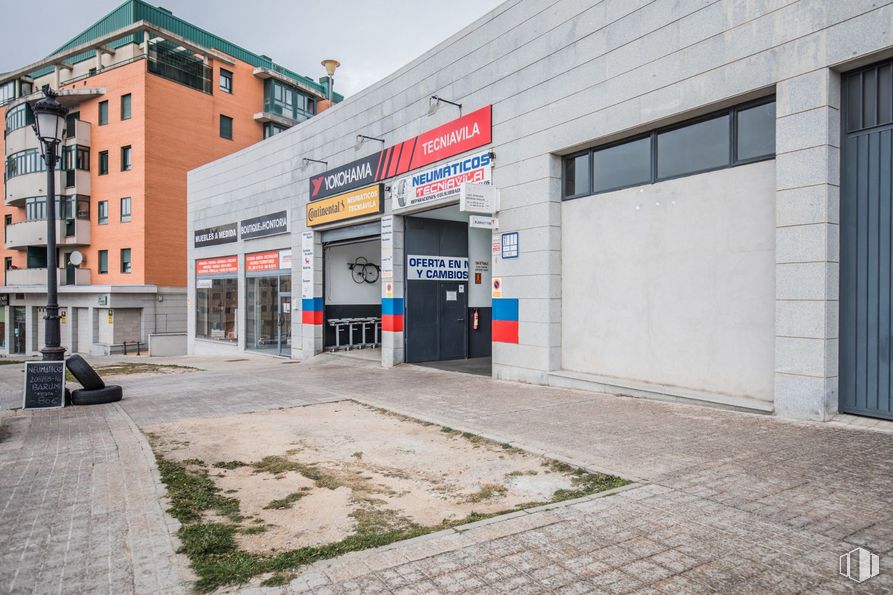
<point x="95" y="391"/>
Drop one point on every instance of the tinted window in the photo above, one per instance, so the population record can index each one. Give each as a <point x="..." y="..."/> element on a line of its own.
<point x="103" y="163"/>
<point x="756" y="131"/>
<point x="693" y="148"/>
<point x="103" y="261"/>
<point x="623" y="165"/>
<point x="125" y="107"/>
<point x="125" y="260"/>
<point x="102" y="212"/>
<point x="576" y="175"/>
<point x="226" y="127"/>
<point x="103" y="113"/>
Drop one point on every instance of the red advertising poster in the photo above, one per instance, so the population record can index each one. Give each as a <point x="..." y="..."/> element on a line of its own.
<point x="262" y="261"/>
<point x="467" y="133"/>
<point x="217" y="266"/>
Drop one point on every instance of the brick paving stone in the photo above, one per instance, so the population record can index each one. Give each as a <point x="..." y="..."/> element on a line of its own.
<point x="732" y="502"/>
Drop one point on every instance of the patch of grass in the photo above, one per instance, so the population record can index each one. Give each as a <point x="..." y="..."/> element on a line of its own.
<point x="519" y="473"/>
<point x="254" y="530"/>
<point x="230" y="465"/>
<point x="195" y="462"/>
<point x="11" y="362"/>
<point x="487" y="491"/>
<point x="357" y="455"/>
<point x="278" y="579"/>
<point x="207" y="539"/>
<point x="275" y="465"/>
<point x="447" y="430"/>
<point x="287" y="502"/>
<point x="192" y="494"/>
<point x="586" y="483"/>
<point x="473" y="438"/>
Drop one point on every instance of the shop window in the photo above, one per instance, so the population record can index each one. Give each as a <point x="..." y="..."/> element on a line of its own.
<point x="103" y="113"/>
<point x="623" y="165"/>
<point x="576" y="175"/>
<point x="103" y="163"/>
<point x="103" y="262"/>
<point x="125" y="260"/>
<point x="226" y="81"/>
<point x="126" y="158"/>
<point x="215" y="310"/>
<point x="125" y="209"/>
<point x="126" y="107"/>
<point x="226" y="127"/>
<point x="102" y="212"/>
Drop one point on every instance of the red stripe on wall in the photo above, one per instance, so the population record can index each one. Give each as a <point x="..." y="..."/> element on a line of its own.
<point x="406" y="156"/>
<point x="311" y="317"/>
<point x="395" y="159"/>
<point x="505" y="331"/>
<point x="392" y="323"/>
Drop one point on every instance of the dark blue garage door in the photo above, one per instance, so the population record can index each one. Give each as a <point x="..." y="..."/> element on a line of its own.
<point x="866" y="218"/>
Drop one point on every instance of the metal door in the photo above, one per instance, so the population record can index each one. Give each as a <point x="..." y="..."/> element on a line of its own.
<point x="18" y="329"/>
<point x="285" y="324"/>
<point x="866" y="220"/>
<point x="451" y="317"/>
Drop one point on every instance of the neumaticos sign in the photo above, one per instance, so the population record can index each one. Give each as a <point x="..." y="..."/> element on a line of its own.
<point x="220" y="234"/>
<point x="364" y="201"/>
<point x="265" y="225"/>
<point x="460" y="135"/>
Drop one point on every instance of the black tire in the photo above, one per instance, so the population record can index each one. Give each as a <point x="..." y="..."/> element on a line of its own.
<point x="109" y="394"/>
<point x="84" y="374"/>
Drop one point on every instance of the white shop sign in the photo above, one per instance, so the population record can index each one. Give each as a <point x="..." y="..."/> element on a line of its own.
<point x="441" y="183"/>
<point x="483" y="222"/>
<point x="387" y="248"/>
<point x="478" y="198"/>
<point x="436" y="268"/>
<point x="307" y="264"/>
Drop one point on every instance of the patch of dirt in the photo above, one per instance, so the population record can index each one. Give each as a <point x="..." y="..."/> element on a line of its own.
<point x="338" y="469"/>
<point x="129" y="368"/>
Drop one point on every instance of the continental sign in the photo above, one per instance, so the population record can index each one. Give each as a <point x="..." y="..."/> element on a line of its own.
<point x="363" y="201"/>
<point x="461" y="135"/>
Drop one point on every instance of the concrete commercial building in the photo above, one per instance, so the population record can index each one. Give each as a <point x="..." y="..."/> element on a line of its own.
<point x="150" y="97"/>
<point x="694" y="203"/>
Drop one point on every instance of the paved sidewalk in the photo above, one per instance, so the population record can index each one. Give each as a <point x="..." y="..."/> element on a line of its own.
<point x="726" y="502"/>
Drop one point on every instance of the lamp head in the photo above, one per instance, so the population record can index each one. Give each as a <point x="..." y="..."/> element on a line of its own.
<point x="330" y="65"/>
<point x="49" y="118"/>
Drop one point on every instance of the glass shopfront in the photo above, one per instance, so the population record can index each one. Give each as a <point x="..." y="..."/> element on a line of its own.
<point x="268" y="302"/>
<point x="217" y="298"/>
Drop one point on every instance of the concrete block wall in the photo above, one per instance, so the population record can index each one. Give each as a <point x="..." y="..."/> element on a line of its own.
<point x="566" y="74"/>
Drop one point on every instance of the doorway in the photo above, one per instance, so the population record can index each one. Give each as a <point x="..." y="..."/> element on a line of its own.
<point x="436" y="326"/>
<point x="268" y="318"/>
<point x="18" y="330"/>
<point x="866" y="243"/>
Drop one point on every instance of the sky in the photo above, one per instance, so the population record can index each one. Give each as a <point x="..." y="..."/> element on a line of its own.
<point x="371" y="38"/>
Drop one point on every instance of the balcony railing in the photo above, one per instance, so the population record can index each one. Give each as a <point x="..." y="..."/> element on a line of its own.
<point x="39" y="277"/>
<point x="71" y="232"/>
<point x="178" y="64"/>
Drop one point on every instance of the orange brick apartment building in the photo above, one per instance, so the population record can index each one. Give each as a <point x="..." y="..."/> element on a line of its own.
<point x="150" y="97"/>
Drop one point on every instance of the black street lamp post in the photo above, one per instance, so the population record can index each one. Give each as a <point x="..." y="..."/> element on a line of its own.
<point x="49" y="125"/>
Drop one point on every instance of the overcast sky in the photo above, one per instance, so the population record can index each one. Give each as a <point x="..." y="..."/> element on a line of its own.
<point x="371" y="38"/>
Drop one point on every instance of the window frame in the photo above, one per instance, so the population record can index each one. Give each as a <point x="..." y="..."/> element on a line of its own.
<point x="103" y="106"/>
<point x="126" y="215"/>
<point x="129" y="150"/>
<point x="129" y="261"/>
<point x="731" y="112"/>
<point x="102" y="159"/>
<point x="224" y="118"/>
<point x="226" y="75"/>
<point x="128" y="99"/>
<point x="99" y="267"/>
<point x="102" y="212"/>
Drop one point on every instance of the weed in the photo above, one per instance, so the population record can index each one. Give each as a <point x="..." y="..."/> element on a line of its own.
<point x="446" y="430"/>
<point x="207" y="539"/>
<point x="254" y="530"/>
<point x="278" y="579"/>
<point x="287" y="502"/>
<point x="586" y="483"/>
<point x="357" y="455"/>
<point x="195" y="462"/>
<point x="191" y="493"/>
<point x="487" y="491"/>
<point x="275" y="465"/>
<point x="230" y="465"/>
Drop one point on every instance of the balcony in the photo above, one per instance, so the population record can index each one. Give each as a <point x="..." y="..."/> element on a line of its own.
<point x="69" y="182"/>
<point x="39" y="277"/>
<point x="20" y="139"/>
<point x="72" y="232"/>
<point x="78" y="134"/>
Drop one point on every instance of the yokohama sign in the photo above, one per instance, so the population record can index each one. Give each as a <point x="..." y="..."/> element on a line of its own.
<point x="460" y="135"/>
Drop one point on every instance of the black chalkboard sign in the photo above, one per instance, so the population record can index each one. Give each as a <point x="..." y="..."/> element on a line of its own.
<point x="44" y="385"/>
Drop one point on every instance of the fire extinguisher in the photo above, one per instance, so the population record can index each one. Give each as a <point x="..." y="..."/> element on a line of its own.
<point x="475" y="320"/>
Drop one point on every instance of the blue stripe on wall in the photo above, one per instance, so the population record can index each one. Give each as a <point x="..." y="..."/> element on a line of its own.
<point x="392" y="306"/>
<point x="505" y="309"/>
<point x="312" y="304"/>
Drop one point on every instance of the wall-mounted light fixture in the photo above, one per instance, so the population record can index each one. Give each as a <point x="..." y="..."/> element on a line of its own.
<point x="435" y="101"/>
<point x="361" y="138"/>
<point x="307" y="161"/>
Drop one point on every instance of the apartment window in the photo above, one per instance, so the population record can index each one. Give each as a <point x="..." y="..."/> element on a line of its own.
<point x="226" y="81"/>
<point x="7" y="221"/>
<point x="103" y="262"/>
<point x="125" y="107"/>
<point x="125" y="209"/>
<point x="126" y="158"/>
<point x="19" y="117"/>
<point x="103" y="163"/>
<point x="76" y="157"/>
<point x="125" y="260"/>
<point x="285" y="100"/>
<point x="7" y="92"/>
<point x="24" y="162"/>
<point x="103" y="113"/>
<point x="226" y="127"/>
<point x="272" y="129"/>
<point x="734" y="136"/>
<point x="102" y="212"/>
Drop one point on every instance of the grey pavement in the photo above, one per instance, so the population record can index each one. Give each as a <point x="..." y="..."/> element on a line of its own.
<point x="723" y="501"/>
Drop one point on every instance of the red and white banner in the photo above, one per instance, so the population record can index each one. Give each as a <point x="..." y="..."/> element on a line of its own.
<point x="272" y="260"/>
<point x="224" y="265"/>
